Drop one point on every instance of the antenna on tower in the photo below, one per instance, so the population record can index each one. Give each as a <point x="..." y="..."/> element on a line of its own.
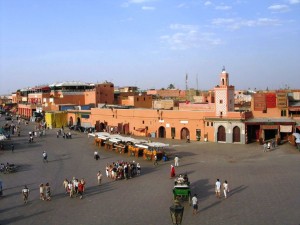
<point x="197" y="81"/>
<point x="186" y="81"/>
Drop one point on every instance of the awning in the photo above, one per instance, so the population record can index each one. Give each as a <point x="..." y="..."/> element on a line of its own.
<point x="158" y="144"/>
<point x="286" y="128"/>
<point x="294" y="109"/>
<point x="114" y="140"/>
<point x="142" y="146"/>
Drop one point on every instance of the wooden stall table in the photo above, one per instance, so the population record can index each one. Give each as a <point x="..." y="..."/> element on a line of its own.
<point x="148" y="155"/>
<point x="109" y="145"/>
<point x="131" y="150"/>
<point x="97" y="142"/>
<point x="120" y="148"/>
<point x="139" y="152"/>
<point x="159" y="155"/>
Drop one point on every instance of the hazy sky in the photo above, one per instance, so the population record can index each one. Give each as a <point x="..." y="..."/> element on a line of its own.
<point x="150" y="43"/>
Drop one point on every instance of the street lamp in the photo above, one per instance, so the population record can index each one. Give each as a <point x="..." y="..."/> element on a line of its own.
<point x="176" y="212"/>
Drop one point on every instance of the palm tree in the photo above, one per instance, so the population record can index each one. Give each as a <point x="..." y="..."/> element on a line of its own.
<point x="171" y="86"/>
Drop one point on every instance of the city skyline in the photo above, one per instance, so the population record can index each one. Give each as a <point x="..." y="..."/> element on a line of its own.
<point x="150" y="43"/>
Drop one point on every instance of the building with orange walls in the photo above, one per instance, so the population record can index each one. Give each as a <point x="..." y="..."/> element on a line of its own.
<point x="272" y="117"/>
<point x="137" y="101"/>
<point x="66" y="93"/>
<point x="216" y="122"/>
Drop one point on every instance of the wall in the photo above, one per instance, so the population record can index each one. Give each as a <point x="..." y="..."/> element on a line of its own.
<point x="56" y="119"/>
<point x="200" y="107"/>
<point x="163" y="104"/>
<point x="76" y="98"/>
<point x="229" y="125"/>
<point x="153" y="119"/>
<point x="270" y="113"/>
<point x="144" y="101"/>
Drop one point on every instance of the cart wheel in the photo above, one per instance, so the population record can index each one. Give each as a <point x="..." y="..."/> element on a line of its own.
<point x="190" y="199"/>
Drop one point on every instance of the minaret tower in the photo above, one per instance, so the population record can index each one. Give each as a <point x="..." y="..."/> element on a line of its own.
<point x="224" y="95"/>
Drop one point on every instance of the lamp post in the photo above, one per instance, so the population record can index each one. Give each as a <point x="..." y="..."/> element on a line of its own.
<point x="176" y="212"/>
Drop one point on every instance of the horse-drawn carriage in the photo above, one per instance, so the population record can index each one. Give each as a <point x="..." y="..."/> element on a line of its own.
<point x="182" y="189"/>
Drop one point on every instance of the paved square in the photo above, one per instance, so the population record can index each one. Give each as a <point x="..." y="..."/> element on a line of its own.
<point x="264" y="187"/>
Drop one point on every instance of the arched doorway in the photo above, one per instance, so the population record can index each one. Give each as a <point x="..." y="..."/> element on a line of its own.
<point x="221" y="136"/>
<point x="184" y="133"/>
<point x="236" y="134"/>
<point x="101" y="127"/>
<point x="161" y="132"/>
<point x="78" y="121"/>
<point x="71" y="121"/>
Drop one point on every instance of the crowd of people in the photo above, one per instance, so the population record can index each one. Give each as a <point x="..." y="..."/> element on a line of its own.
<point x="122" y="170"/>
<point x="74" y="187"/>
<point x="65" y="135"/>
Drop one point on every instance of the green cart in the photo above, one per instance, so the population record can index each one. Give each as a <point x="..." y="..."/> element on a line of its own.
<point x="182" y="189"/>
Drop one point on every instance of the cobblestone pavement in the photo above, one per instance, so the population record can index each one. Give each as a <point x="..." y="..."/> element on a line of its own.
<point x="264" y="187"/>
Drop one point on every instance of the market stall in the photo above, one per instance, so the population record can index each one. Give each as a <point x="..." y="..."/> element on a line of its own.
<point x="155" y="148"/>
<point x="135" y="150"/>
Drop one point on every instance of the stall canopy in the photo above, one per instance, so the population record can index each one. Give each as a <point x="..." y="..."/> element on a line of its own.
<point x="99" y="134"/>
<point x="116" y="138"/>
<point x="157" y="145"/>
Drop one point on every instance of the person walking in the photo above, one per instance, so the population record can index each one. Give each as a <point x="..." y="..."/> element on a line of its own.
<point x="65" y="185"/>
<point x="218" y="188"/>
<point x="45" y="156"/>
<point x="273" y="144"/>
<point x="25" y="194"/>
<point x="265" y="147"/>
<point x="172" y="172"/>
<point x="176" y="161"/>
<point x="96" y="155"/>
<point x="155" y="160"/>
<point x="195" y="204"/>
<point x="138" y="166"/>
<point x="48" y="192"/>
<point x="107" y="170"/>
<point x="71" y="189"/>
<point x="225" y="188"/>
<point x="99" y="177"/>
<point x="42" y="195"/>
<point x="12" y="148"/>
<point x="188" y="139"/>
<point x="81" y="188"/>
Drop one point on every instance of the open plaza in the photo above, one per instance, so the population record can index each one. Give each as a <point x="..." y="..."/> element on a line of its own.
<point x="264" y="186"/>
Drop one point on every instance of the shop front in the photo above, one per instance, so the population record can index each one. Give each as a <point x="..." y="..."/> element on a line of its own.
<point x="264" y="129"/>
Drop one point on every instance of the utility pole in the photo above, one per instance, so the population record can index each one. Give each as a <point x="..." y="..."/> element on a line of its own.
<point x="197" y="81"/>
